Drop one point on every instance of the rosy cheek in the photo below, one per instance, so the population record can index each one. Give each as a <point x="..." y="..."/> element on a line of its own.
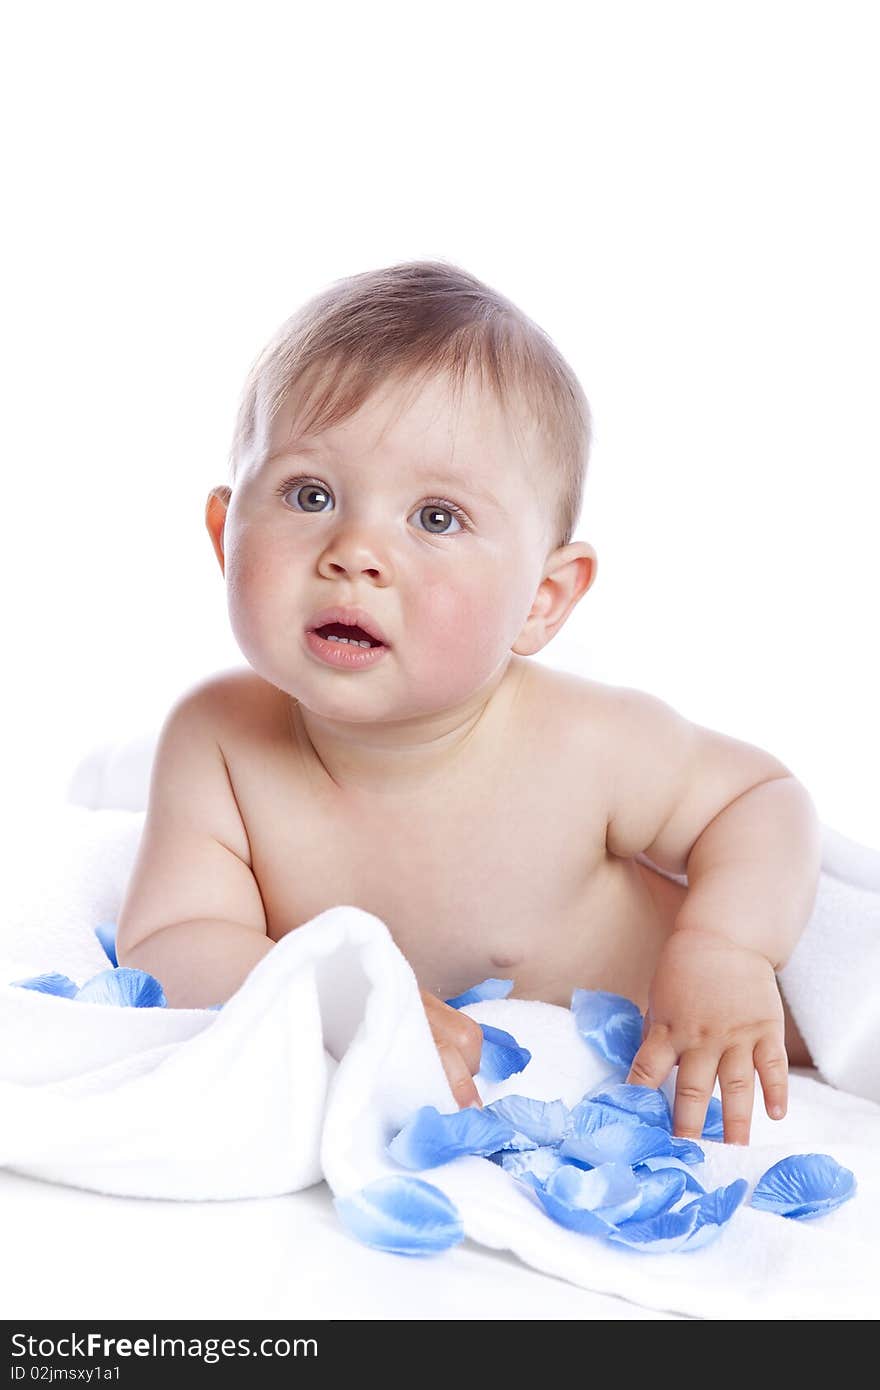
<point x="463" y="622"/>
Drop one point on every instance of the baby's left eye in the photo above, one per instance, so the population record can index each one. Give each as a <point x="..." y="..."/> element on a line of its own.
<point x="434" y="513"/>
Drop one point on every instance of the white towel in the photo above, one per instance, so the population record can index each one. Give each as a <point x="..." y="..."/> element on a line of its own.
<point x="320" y="1058"/>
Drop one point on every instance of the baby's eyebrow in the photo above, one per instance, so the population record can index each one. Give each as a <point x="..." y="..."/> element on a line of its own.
<point x="439" y="475"/>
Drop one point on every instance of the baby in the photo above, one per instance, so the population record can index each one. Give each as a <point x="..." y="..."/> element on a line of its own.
<point x="407" y="472"/>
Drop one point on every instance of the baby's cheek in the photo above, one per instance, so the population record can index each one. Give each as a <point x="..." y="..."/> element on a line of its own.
<point x="465" y="627"/>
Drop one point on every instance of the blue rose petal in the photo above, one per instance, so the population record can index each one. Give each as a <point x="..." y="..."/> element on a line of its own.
<point x="609" y="1190"/>
<point x="429" y="1138"/>
<point x="540" y="1162"/>
<point x="502" y="1055"/>
<point x="686" y="1149"/>
<point x="714" y="1210"/>
<point x="713" y="1128"/>
<point x="659" y="1190"/>
<point x="402" y="1215"/>
<point x="544" y="1122"/>
<point x="50" y="983"/>
<point x="106" y="934"/>
<point x="601" y="1134"/>
<point x="609" y="1023"/>
<point x="663" y="1162"/>
<point x="489" y="989"/>
<point x="580" y="1219"/>
<point x="804" y="1186"/>
<point x="647" y="1104"/>
<point x="124" y="986"/>
<point x="659" y="1235"/>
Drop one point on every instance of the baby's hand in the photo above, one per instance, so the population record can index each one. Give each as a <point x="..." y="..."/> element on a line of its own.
<point x="714" y="1008"/>
<point x="459" y="1041"/>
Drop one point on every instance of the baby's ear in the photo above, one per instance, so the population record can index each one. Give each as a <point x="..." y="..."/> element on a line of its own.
<point x="215" y="516"/>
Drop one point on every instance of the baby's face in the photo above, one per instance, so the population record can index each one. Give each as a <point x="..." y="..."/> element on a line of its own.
<point x="428" y="519"/>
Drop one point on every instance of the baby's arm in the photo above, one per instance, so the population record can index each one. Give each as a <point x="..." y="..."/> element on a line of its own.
<point x="747" y="834"/>
<point x="192" y="915"/>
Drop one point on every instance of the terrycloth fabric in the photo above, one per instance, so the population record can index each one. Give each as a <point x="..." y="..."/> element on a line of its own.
<point x="325" y="1051"/>
<point x="320" y="1058"/>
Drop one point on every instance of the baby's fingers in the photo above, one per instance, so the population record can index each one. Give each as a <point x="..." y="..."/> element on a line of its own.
<point x="693" y="1089"/>
<point x="771" y="1061"/>
<point x="654" y="1060"/>
<point x="461" y="1082"/>
<point x="736" y="1075"/>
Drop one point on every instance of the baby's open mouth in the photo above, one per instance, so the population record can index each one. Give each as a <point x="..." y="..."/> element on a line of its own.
<point x="341" y="632"/>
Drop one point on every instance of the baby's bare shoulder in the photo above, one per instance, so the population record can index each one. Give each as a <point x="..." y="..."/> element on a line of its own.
<point x="233" y="703"/>
<point x="577" y="707"/>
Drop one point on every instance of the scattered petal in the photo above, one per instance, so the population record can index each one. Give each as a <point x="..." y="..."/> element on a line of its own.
<point x="402" y="1215"/>
<point x="489" y="989"/>
<point x="540" y="1162"/>
<point x="106" y="934"/>
<point x="124" y="986"/>
<point x="803" y="1186"/>
<point x="714" y="1125"/>
<point x="650" y="1105"/>
<point x="609" y="1190"/>
<point x="660" y="1163"/>
<point x="609" y="1023"/>
<point x="659" y="1190"/>
<point x="601" y="1134"/>
<point x="660" y="1234"/>
<point x="579" y="1219"/>
<point x="686" y="1149"/>
<point x="50" y="983"/>
<point x="714" y="1209"/>
<point x="542" y="1121"/>
<point x="502" y="1055"/>
<point x="429" y="1138"/>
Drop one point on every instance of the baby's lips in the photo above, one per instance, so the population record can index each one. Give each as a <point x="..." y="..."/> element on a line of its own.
<point x="349" y="617"/>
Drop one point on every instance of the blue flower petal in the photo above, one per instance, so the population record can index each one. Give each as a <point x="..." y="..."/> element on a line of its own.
<point x="686" y="1149"/>
<point x="609" y="1190"/>
<point x="661" y="1162"/>
<point x="489" y="989"/>
<point x="50" y="983"/>
<point x="659" y="1190"/>
<point x="106" y="934"/>
<point x="601" y="1134"/>
<point x="659" y="1235"/>
<point x="713" y="1127"/>
<point x="402" y="1215"/>
<point x="429" y="1138"/>
<point x="124" y="986"/>
<point x="803" y="1186"/>
<point x="714" y="1209"/>
<point x="502" y="1055"/>
<point x="579" y="1219"/>
<point x="609" y="1023"/>
<point x="540" y="1162"/>
<point x="542" y="1121"/>
<point x="651" y="1106"/>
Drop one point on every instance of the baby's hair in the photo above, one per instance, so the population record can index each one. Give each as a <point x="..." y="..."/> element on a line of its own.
<point x="419" y="318"/>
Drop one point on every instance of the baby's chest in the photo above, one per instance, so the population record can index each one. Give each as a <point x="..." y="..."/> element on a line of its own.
<point x="468" y="887"/>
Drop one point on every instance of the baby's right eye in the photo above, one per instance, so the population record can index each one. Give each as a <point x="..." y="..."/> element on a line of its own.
<point x="306" y="494"/>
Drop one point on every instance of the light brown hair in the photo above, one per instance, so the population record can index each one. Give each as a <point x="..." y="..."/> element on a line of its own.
<point x="420" y="317"/>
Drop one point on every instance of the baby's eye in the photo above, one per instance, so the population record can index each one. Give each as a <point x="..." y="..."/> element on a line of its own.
<point x="310" y="495"/>
<point x="434" y="512"/>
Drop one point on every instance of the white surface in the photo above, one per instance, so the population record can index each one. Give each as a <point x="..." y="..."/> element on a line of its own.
<point x="81" y="1255"/>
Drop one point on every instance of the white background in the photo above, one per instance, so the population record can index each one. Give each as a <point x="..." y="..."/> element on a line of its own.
<point x="683" y="195"/>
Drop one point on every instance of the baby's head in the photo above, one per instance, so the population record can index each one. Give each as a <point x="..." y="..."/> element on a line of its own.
<point x="410" y="444"/>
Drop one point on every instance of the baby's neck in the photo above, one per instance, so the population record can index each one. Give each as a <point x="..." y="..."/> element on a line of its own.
<point x="402" y="759"/>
